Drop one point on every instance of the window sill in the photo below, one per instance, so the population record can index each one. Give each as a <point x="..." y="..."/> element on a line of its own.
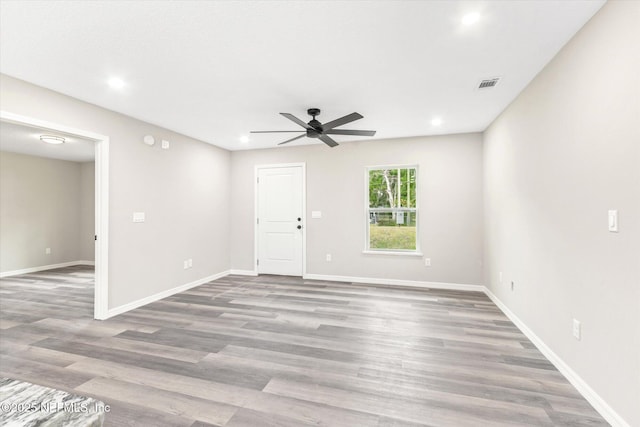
<point x="396" y="253"/>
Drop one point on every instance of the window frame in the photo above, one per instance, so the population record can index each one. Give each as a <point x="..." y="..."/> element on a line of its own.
<point x="368" y="210"/>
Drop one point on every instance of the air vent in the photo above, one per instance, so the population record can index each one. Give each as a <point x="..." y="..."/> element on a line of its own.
<point x="484" y="84"/>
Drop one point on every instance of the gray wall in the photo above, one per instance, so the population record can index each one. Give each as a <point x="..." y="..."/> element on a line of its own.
<point x="562" y="154"/>
<point x="87" y="210"/>
<point x="40" y="203"/>
<point x="450" y="198"/>
<point x="184" y="192"/>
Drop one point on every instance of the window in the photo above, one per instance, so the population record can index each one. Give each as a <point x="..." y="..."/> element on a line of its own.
<point x="392" y="209"/>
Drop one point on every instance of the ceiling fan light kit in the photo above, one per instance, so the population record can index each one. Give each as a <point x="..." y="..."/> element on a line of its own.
<point x="315" y="129"/>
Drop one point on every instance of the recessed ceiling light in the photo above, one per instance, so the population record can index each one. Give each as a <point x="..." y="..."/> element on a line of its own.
<point x="244" y="139"/>
<point x="436" y="121"/>
<point x="115" y="83"/>
<point x="50" y="139"/>
<point x="471" y="18"/>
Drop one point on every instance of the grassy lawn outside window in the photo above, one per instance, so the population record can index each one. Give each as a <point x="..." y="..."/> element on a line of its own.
<point x="392" y="209"/>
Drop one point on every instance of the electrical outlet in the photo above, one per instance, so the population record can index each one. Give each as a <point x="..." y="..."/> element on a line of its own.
<point x="328" y="257"/>
<point x="577" y="329"/>
<point x="47" y="251"/>
<point x="185" y="264"/>
<point x="427" y="262"/>
<point x="512" y="285"/>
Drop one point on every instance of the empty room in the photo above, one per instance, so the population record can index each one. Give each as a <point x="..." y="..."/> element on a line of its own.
<point x="320" y="213"/>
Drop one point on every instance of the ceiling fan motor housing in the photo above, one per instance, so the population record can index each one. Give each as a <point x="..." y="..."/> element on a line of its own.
<point x="315" y="124"/>
<point x="317" y="129"/>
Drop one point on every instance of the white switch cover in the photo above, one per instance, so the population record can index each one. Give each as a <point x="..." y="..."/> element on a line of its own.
<point x="328" y="257"/>
<point x="165" y="144"/>
<point x="316" y="214"/>
<point x="138" y="217"/>
<point x="427" y="262"/>
<point x="576" y="329"/>
<point x="613" y="221"/>
<point x="47" y="251"/>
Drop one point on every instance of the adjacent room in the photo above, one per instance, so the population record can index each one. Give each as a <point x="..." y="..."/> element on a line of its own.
<point x="47" y="210"/>
<point x="336" y="213"/>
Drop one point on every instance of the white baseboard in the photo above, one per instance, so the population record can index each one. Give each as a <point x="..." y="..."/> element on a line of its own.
<point x="583" y="388"/>
<point x="244" y="272"/>
<point x="44" y="267"/>
<point x="164" y="294"/>
<point x="395" y="282"/>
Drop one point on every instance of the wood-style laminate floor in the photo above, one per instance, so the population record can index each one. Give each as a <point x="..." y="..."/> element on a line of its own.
<point x="282" y="351"/>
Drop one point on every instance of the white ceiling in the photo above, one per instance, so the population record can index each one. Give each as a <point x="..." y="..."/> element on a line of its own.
<point x="18" y="138"/>
<point x="216" y="70"/>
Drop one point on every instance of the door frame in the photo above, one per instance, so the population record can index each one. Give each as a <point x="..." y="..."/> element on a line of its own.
<point x="101" y="287"/>
<point x="256" y="233"/>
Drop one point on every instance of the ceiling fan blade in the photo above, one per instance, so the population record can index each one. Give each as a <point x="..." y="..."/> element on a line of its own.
<point x="296" y="120"/>
<point x="274" y="131"/>
<point x="327" y="140"/>
<point x="350" y="132"/>
<point x="293" y="139"/>
<point x="341" y="121"/>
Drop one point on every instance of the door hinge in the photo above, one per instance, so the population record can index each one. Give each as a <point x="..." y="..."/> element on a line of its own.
<point x="95" y="237"/>
<point x="258" y="180"/>
<point x="257" y="262"/>
<point x="257" y="220"/>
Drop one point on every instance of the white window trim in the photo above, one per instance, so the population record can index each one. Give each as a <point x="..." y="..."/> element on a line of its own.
<point x="406" y="252"/>
<point x="396" y="252"/>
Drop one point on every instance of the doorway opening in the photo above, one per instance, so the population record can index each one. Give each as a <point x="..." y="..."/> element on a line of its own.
<point x="101" y="188"/>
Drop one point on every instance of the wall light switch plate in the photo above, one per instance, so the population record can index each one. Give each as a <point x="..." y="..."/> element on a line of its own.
<point x="316" y="214"/>
<point x="328" y="257"/>
<point x="165" y="144"/>
<point x="613" y="221"/>
<point x="427" y="262"/>
<point x="577" y="330"/>
<point x="138" y="217"/>
<point x="47" y="251"/>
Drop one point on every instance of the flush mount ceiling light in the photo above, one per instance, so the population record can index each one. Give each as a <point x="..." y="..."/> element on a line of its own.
<point x="470" y="18"/>
<point x="115" y="83"/>
<point x="244" y="139"/>
<point x="50" y="139"/>
<point x="437" y="121"/>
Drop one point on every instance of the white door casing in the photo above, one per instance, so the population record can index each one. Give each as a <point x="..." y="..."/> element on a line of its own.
<point x="280" y="219"/>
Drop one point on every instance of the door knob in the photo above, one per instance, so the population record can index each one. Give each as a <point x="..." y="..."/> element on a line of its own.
<point x="299" y="219"/>
<point x="299" y="227"/>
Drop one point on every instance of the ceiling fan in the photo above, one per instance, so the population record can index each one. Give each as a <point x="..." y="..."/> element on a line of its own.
<point x="315" y="129"/>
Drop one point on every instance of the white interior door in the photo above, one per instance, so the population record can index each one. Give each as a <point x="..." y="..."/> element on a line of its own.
<point x="280" y="220"/>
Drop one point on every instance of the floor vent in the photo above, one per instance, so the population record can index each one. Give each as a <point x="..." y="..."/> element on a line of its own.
<point x="488" y="83"/>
